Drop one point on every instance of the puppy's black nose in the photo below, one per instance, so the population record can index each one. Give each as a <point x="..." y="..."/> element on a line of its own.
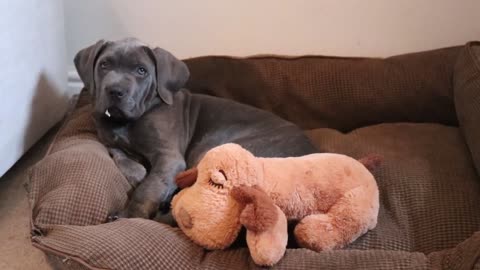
<point x="115" y="92"/>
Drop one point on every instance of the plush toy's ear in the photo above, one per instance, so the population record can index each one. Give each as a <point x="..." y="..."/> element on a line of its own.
<point x="266" y="225"/>
<point x="260" y="212"/>
<point x="85" y="62"/>
<point x="186" y="178"/>
<point x="172" y="74"/>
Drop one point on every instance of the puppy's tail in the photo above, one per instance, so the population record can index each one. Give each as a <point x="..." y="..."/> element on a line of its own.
<point x="371" y="162"/>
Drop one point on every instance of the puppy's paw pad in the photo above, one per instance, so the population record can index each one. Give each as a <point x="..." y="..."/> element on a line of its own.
<point x="112" y="218"/>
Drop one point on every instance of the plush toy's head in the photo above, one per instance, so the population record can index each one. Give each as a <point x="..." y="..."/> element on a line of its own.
<point x="207" y="209"/>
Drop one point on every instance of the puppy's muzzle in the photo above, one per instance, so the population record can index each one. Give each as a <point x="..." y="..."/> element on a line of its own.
<point x="115" y="93"/>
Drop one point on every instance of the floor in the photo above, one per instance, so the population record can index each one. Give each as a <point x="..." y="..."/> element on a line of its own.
<point x="16" y="251"/>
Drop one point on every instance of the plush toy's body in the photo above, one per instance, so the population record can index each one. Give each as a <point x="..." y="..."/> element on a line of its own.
<point x="334" y="197"/>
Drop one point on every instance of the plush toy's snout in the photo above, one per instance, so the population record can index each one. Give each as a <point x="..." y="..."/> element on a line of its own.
<point x="213" y="225"/>
<point x="265" y="222"/>
<point x="185" y="218"/>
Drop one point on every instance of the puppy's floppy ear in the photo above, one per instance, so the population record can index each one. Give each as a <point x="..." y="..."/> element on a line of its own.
<point x="172" y="74"/>
<point x="85" y="62"/>
<point x="260" y="212"/>
<point x="186" y="178"/>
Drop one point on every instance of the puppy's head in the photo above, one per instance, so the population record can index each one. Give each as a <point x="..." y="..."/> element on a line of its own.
<point x="126" y="77"/>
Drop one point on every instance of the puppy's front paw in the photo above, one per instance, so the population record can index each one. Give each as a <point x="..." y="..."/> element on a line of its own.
<point x="146" y="210"/>
<point x="114" y="216"/>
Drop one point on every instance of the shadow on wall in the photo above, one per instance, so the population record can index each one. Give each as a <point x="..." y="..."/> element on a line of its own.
<point x="48" y="107"/>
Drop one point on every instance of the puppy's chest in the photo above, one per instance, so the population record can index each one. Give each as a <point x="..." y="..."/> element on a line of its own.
<point x="121" y="136"/>
<point x="133" y="138"/>
<point x="115" y="136"/>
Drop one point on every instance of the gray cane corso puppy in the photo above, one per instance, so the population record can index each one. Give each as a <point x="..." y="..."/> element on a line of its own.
<point x="141" y="109"/>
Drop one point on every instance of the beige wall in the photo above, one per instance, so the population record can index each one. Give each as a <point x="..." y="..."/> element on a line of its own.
<point x="348" y="27"/>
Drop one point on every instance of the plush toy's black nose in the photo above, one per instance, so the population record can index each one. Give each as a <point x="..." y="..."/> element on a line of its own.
<point x="115" y="92"/>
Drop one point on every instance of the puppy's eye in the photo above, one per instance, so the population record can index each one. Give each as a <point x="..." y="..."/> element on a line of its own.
<point x="104" y="65"/>
<point x="142" y="71"/>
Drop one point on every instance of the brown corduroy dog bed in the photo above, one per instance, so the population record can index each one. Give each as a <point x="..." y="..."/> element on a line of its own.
<point x="420" y="111"/>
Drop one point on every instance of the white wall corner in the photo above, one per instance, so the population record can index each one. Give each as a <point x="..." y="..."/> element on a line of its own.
<point x="37" y="96"/>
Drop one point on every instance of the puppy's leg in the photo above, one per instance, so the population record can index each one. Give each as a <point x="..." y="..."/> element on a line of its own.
<point x="156" y="190"/>
<point x="132" y="170"/>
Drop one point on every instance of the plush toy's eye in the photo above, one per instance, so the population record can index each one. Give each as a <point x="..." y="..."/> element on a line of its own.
<point x="215" y="185"/>
<point x="217" y="179"/>
<point x="223" y="173"/>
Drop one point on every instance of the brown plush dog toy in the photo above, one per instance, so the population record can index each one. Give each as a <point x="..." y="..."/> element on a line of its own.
<point x="334" y="198"/>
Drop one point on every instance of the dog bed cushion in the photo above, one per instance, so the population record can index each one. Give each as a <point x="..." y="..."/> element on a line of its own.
<point x="404" y="108"/>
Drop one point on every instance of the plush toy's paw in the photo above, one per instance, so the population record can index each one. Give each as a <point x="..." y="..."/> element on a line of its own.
<point x="316" y="232"/>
